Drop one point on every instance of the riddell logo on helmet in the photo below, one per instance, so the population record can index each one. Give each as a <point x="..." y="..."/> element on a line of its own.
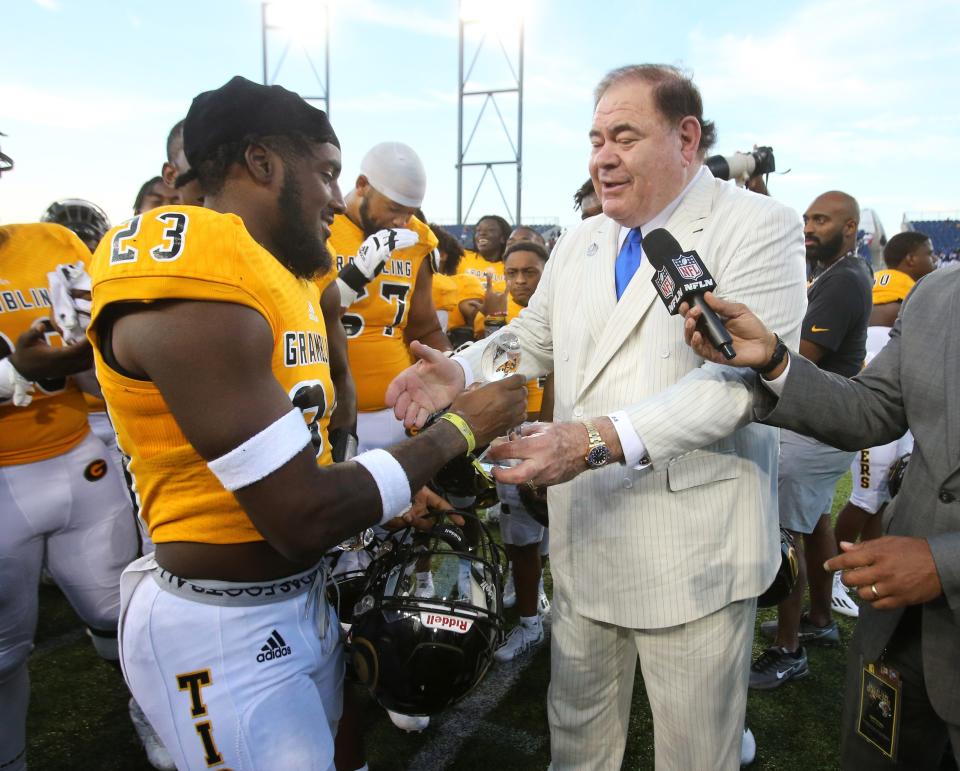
<point x="437" y="621"/>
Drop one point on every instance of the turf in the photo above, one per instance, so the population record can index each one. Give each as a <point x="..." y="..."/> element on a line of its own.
<point x="78" y="711"/>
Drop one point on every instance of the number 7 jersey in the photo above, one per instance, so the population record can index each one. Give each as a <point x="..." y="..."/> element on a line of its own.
<point x="376" y="321"/>
<point x="190" y="253"/>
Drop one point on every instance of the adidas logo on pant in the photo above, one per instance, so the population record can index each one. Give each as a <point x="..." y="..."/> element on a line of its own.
<point x="276" y="647"/>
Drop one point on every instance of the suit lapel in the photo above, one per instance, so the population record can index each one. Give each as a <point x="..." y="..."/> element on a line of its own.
<point x="617" y="320"/>
<point x="599" y="294"/>
<point x="952" y="398"/>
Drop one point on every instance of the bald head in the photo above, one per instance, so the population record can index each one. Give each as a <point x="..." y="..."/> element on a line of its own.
<point x="830" y="227"/>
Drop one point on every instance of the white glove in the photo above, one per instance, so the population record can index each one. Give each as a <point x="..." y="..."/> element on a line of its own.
<point x="71" y="313"/>
<point x="13" y="384"/>
<point x="371" y="257"/>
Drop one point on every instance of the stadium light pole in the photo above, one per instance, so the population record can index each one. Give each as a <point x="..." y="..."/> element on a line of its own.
<point x="298" y="24"/>
<point x="499" y="20"/>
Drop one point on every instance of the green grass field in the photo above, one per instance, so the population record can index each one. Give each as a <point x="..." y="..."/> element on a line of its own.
<point x="78" y="712"/>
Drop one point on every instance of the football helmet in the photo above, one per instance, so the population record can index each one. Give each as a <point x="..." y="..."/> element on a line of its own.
<point x="86" y="219"/>
<point x="418" y="655"/>
<point x="786" y="577"/>
<point x="348" y="563"/>
<point x="466" y="477"/>
<point x="896" y="473"/>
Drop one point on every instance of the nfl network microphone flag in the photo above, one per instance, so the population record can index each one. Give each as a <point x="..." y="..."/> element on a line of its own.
<point x="682" y="277"/>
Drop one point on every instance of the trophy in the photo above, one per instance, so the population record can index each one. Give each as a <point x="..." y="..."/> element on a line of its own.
<point x="501" y="359"/>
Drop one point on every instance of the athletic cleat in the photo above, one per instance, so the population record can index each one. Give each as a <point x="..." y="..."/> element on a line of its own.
<point x="509" y="592"/>
<point x="409" y="723"/>
<point x="748" y="748"/>
<point x="521" y="640"/>
<point x="543" y="604"/>
<point x="809" y="633"/>
<point x="156" y="753"/>
<point x="841" y="602"/>
<point x="776" y="666"/>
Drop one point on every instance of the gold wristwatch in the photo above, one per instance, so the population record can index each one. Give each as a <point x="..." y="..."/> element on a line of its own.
<point x="598" y="454"/>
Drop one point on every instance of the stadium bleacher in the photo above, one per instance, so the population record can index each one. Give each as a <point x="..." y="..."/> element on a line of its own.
<point x="945" y="233"/>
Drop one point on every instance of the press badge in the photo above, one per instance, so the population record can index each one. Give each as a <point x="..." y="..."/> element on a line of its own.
<point x="879" y="720"/>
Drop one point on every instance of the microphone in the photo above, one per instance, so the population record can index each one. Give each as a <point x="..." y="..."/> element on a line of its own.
<point x="682" y="277"/>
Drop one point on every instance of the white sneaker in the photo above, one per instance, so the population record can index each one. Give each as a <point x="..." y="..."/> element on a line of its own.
<point x="841" y="602"/>
<point x="157" y="754"/>
<point x="748" y="748"/>
<point x="509" y="592"/>
<point x="520" y="640"/>
<point x="409" y="722"/>
<point x="425" y="588"/>
<point x="543" y="604"/>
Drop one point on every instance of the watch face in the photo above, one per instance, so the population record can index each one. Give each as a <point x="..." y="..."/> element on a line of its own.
<point x="598" y="456"/>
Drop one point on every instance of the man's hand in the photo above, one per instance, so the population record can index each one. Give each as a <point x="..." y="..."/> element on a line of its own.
<point x="889" y="572"/>
<point x="753" y="342"/>
<point x="430" y="384"/>
<point x="35" y="359"/>
<point x="493" y="409"/>
<point x="422" y="514"/>
<point x="369" y="261"/>
<point x="550" y="453"/>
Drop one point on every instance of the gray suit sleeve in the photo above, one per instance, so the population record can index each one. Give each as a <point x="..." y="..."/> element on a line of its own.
<point x="865" y="411"/>
<point x="945" y="548"/>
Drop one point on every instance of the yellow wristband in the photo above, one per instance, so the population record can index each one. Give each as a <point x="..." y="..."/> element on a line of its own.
<point x="463" y="427"/>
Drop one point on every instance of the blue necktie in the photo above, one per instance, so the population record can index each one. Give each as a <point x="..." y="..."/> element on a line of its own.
<point x="628" y="260"/>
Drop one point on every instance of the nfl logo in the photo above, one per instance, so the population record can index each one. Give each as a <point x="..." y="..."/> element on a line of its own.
<point x="688" y="267"/>
<point x="664" y="283"/>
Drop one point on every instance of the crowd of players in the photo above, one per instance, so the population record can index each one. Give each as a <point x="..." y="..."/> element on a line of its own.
<point x="395" y="281"/>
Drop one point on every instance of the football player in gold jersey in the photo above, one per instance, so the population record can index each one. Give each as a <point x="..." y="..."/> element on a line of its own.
<point x="385" y="281"/>
<point x="59" y="494"/>
<point x="215" y="366"/>
<point x="485" y="261"/>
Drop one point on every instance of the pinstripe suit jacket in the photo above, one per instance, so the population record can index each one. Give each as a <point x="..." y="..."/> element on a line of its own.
<point x="912" y="383"/>
<point x="669" y="544"/>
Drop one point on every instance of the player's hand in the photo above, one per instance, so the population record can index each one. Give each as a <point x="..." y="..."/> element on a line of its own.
<point x="754" y="343"/>
<point x="375" y="251"/>
<point x="423" y="513"/>
<point x="369" y="261"/>
<point x="901" y="569"/>
<point x="493" y="409"/>
<point x="428" y="385"/>
<point x="35" y="359"/>
<point x="549" y="453"/>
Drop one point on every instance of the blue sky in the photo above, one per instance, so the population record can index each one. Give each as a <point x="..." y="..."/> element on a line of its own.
<point x="859" y="96"/>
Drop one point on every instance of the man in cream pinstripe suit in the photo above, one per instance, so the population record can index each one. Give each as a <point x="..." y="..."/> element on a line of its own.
<point x="662" y="548"/>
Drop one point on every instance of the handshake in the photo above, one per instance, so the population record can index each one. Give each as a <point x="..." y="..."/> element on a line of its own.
<point x="369" y="261"/>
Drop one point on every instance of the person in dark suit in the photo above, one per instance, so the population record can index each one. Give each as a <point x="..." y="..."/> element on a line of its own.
<point x="910" y="577"/>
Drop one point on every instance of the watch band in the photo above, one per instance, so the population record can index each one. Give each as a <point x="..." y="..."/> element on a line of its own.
<point x="779" y="352"/>
<point x="593" y="435"/>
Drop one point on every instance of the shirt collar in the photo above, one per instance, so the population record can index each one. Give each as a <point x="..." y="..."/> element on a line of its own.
<point x="664" y="216"/>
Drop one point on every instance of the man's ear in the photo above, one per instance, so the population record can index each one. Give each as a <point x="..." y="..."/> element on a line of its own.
<point x="689" y="132"/>
<point x="362" y="186"/>
<point x="169" y="174"/>
<point x="262" y="164"/>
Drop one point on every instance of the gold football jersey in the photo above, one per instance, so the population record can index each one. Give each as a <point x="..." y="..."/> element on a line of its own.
<point x="375" y="322"/>
<point x="474" y="264"/>
<point x="56" y="419"/>
<point x="190" y="253"/>
<point x="891" y="286"/>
